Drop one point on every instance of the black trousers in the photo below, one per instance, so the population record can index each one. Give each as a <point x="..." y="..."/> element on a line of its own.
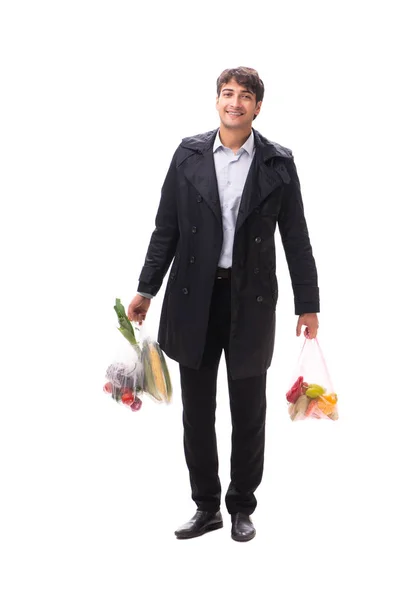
<point x="248" y="412"/>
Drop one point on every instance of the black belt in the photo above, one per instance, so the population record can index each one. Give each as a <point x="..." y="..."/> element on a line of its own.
<point x="223" y="273"/>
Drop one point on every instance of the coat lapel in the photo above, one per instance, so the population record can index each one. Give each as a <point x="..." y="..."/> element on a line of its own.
<point x="200" y="171"/>
<point x="261" y="181"/>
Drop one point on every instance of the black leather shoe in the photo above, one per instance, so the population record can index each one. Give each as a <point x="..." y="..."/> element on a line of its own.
<point x="201" y="523"/>
<point x="243" y="529"/>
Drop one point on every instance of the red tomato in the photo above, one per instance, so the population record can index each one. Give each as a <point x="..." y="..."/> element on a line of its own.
<point x="108" y="387"/>
<point x="127" y="398"/>
<point x="127" y="390"/>
<point x="136" y="405"/>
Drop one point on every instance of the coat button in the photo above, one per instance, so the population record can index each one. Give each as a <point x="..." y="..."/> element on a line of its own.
<point x="185" y="291"/>
<point x="199" y="198"/>
<point x="257" y="210"/>
<point x="194" y="229"/>
<point x="257" y="240"/>
<point x="256" y="270"/>
<point x="192" y="259"/>
<point x="260" y="298"/>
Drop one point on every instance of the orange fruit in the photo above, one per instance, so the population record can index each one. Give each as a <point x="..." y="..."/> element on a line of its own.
<point x="326" y="407"/>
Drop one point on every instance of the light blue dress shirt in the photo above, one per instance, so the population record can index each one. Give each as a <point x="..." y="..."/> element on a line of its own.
<point x="231" y="170"/>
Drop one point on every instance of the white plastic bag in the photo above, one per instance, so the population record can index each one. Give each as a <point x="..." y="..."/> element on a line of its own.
<point x="312" y="395"/>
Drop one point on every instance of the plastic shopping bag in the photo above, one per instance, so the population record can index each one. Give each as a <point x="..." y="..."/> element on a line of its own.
<point x="124" y="376"/>
<point x="139" y="368"/>
<point x="312" y="395"/>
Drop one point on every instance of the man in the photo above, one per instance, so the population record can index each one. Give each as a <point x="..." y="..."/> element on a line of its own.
<point x="224" y="194"/>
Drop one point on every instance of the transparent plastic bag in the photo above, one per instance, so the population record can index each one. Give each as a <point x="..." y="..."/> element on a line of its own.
<point x="124" y="376"/>
<point x="139" y="368"/>
<point x="312" y="395"/>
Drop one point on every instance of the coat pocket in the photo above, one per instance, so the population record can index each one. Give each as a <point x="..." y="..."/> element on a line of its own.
<point x="274" y="286"/>
<point x="174" y="270"/>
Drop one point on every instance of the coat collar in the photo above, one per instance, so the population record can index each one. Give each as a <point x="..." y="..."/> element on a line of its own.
<point x="262" y="179"/>
<point x="248" y="146"/>
<point x="205" y="141"/>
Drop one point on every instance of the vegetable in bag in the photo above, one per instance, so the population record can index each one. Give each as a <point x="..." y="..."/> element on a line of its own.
<point x="316" y="400"/>
<point x="145" y="371"/>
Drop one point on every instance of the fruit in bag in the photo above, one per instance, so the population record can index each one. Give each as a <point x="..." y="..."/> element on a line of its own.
<point x="295" y="391"/>
<point x="136" y="405"/>
<point x="127" y="397"/>
<point x="327" y="404"/>
<point x="331" y="398"/>
<point x="314" y="390"/>
<point x="312" y="400"/>
<point x="312" y="405"/>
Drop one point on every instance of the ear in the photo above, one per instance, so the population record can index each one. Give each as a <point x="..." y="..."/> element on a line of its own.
<point x="258" y="107"/>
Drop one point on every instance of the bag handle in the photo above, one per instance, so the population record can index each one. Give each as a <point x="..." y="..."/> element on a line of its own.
<point x="142" y="331"/>
<point x="321" y="354"/>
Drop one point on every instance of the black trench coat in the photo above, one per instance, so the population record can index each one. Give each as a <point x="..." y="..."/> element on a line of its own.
<point x="189" y="230"/>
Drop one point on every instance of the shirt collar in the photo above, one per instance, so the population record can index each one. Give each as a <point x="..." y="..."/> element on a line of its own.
<point x="248" y="145"/>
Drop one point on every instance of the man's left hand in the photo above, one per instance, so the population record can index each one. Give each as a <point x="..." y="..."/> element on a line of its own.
<point x="310" y="320"/>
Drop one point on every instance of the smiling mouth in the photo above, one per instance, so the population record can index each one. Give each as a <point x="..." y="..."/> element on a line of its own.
<point x="234" y="114"/>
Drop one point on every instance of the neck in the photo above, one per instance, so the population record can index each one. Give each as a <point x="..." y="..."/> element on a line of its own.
<point x="233" y="138"/>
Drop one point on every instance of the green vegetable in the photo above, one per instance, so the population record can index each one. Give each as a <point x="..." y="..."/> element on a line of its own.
<point x="314" y="390"/>
<point x="125" y="326"/>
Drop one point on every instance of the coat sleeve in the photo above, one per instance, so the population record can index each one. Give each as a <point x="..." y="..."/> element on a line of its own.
<point x="296" y="243"/>
<point x="164" y="239"/>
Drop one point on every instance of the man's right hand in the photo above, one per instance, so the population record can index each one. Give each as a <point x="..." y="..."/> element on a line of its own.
<point x="138" y="308"/>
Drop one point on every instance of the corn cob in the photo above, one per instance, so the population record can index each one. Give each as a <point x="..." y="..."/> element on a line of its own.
<point x="157" y="381"/>
<point x="166" y="375"/>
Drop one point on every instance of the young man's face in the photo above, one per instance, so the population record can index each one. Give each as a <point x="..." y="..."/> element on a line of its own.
<point x="237" y="106"/>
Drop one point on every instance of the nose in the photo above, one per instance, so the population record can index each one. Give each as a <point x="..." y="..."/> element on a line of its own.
<point x="235" y="102"/>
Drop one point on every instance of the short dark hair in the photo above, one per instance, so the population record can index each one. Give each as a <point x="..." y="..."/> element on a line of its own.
<point x="244" y="76"/>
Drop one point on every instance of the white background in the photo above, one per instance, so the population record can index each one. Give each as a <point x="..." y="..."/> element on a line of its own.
<point x="95" y="97"/>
